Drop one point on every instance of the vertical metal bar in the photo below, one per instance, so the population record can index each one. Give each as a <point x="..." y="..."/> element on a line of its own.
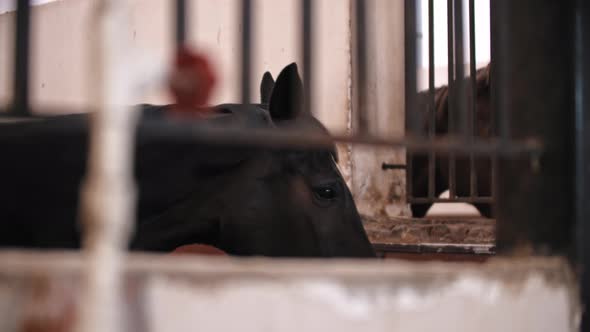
<point x="306" y="48"/>
<point x="460" y="86"/>
<point x="361" y="66"/>
<point x="246" y="63"/>
<point x="582" y="161"/>
<point x="412" y="113"/>
<point x="410" y="85"/>
<point x="473" y="113"/>
<point x="21" y="59"/>
<point x="180" y="23"/>
<point x="495" y="102"/>
<point x="529" y="213"/>
<point x="499" y="31"/>
<point x="494" y="179"/>
<point x="451" y="97"/>
<point x="431" y="98"/>
<point x="451" y="59"/>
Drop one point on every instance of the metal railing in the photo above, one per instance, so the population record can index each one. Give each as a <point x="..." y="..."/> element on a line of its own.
<point x="460" y="118"/>
<point x="452" y="143"/>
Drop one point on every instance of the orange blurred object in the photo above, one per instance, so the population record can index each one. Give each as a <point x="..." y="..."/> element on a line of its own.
<point x="191" y="82"/>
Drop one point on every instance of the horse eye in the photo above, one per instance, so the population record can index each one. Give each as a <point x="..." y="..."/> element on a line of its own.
<point x="327" y="193"/>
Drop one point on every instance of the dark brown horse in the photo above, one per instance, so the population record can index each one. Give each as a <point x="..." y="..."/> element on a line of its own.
<point x="244" y="201"/>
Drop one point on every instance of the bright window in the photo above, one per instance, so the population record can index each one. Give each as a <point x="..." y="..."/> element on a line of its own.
<point x="482" y="38"/>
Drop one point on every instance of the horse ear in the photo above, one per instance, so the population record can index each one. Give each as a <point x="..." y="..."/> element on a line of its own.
<point x="266" y="86"/>
<point x="286" y="101"/>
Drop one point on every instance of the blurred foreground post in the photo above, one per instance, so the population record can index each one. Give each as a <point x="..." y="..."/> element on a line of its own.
<point x="108" y="193"/>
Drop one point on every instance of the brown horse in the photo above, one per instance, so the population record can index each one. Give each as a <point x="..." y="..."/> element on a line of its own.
<point x="482" y="130"/>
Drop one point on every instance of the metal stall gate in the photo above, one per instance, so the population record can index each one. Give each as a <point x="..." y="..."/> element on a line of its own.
<point x="534" y="146"/>
<point x="458" y="111"/>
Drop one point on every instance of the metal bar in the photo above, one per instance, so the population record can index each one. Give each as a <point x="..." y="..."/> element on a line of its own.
<point x="529" y="213"/>
<point x="498" y="32"/>
<point x="497" y="98"/>
<point x="21" y="59"/>
<point x="204" y="133"/>
<point x="410" y="46"/>
<point x="450" y="65"/>
<point x="201" y="133"/>
<point x="361" y="67"/>
<point x="306" y="47"/>
<point x="438" y="248"/>
<point x="460" y="88"/>
<point x="281" y="138"/>
<point x="412" y="115"/>
<point x="494" y="101"/>
<point x="451" y="98"/>
<point x="473" y="114"/>
<point x="582" y="161"/>
<point x="431" y="98"/>
<point x="246" y="63"/>
<point x="180" y="22"/>
<point x="482" y="199"/>
<point x="494" y="177"/>
<point x="409" y="176"/>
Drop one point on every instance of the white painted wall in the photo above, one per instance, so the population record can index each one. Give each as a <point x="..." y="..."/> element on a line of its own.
<point x="60" y="37"/>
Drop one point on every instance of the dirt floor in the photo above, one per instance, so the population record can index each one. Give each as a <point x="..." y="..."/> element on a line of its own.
<point x="438" y="238"/>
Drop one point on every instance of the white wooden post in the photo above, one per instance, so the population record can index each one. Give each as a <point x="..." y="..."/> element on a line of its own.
<point x="108" y="194"/>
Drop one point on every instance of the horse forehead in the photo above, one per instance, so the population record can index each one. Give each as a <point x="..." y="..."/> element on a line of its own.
<point x="246" y="115"/>
<point x="243" y="109"/>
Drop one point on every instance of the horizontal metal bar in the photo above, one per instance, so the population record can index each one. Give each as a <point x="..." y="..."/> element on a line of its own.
<point x="439" y="248"/>
<point x="457" y="199"/>
<point x="282" y="138"/>
<point x="203" y="133"/>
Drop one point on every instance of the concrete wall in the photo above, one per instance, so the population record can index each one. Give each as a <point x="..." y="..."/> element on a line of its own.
<point x="41" y="292"/>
